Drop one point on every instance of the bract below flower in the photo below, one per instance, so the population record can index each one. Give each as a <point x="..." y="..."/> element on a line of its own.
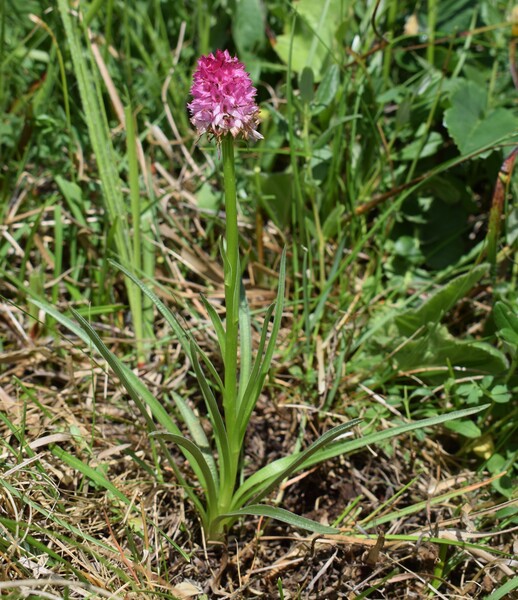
<point x="224" y="98"/>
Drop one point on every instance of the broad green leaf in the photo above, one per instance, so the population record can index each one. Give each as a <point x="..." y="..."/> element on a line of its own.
<point x="472" y="124"/>
<point x="247" y="25"/>
<point x="313" y="36"/>
<point x="466" y="428"/>
<point x="436" y="347"/>
<point x="207" y="199"/>
<point x="283" y="515"/>
<point x="501" y="394"/>
<point x="430" y="147"/>
<point x="276" y="197"/>
<point x="506" y="320"/>
<point x="439" y="303"/>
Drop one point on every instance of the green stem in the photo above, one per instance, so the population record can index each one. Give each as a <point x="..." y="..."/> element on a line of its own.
<point x="136" y="211"/>
<point x="231" y="285"/>
<point x="432" y="22"/>
<point x="230" y="392"/>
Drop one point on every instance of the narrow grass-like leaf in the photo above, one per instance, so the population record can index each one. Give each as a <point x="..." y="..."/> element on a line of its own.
<point x="504" y="590"/>
<point x="118" y="367"/>
<point x="133" y="385"/>
<point x="220" y="432"/>
<point x="93" y="474"/>
<point x="245" y="337"/>
<point x="197" y="432"/>
<point x="268" y="472"/>
<point x="131" y="382"/>
<point x="216" y="323"/>
<point x="184" y="337"/>
<point x="342" y="447"/>
<point x="254" y="382"/>
<point x="198" y="464"/>
<point x="283" y="515"/>
<point x="260" y="487"/>
<point x="259" y="373"/>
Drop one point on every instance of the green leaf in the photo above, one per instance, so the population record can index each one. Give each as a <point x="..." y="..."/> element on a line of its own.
<point x="506" y="320"/>
<point x="283" y="515"/>
<point x="261" y="483"/>
<point x="197" y="433"/>
<point x="220" y="432"/>
<point x="248" y="29"/>
<point x="306" y="83"/>
<point x="432" y="144"/>
<point x="466" y="428"/>
<point x="439" y="303"/>
<point x="262" y="364"/>
<point x="313" y="36"/>
<point x="327" y="90"/>
<point x="436" y="347"/>
<point x="138" y="392"/>
<point x="276" y="197"/>
<point x="245" y="338"/>
<point x="217" y="323"/>
<point x="471" y="124"/>
<point x="500" y="394"/>
<point x="375" y="438"/>
<point x="504" y="591"/>
<point x="93" y="474"/>
<point x="184" y="336"/>
<point x="198" y="463"/>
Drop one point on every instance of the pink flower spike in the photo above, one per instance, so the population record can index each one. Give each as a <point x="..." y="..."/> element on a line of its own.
<point x="224" y="98"/>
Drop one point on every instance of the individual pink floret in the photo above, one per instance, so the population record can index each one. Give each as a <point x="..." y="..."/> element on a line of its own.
<point x="224" y="98"/>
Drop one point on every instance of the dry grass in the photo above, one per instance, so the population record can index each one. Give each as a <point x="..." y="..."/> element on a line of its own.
<point x="60" y="531"/>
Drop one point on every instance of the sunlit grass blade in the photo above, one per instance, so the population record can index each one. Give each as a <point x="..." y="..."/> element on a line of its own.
<point x="97" y="123"/>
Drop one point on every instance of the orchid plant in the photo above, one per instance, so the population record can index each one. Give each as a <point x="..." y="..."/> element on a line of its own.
<point x="224" y="108"/>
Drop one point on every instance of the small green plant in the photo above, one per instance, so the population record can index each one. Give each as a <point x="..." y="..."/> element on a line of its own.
<point x="224" y="108"/>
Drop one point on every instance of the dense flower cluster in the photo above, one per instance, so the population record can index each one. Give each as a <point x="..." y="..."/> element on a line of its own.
<point x="224" y="98"/>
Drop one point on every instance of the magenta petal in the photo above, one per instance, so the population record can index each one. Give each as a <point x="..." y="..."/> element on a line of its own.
<point x="223" y="98"/>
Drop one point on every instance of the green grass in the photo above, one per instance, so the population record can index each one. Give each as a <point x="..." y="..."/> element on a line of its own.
<point x="383" y="172"/>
